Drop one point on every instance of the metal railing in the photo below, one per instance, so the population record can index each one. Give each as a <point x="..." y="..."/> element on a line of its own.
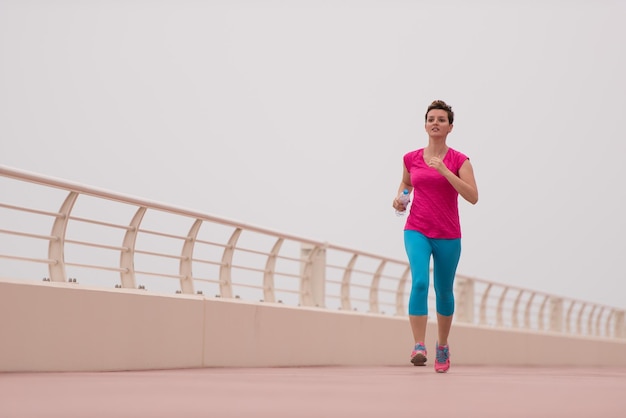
<point x="63" y="231"/>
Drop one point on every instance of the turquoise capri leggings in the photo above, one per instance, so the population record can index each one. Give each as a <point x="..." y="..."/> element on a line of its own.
<point x="445" y="254"/>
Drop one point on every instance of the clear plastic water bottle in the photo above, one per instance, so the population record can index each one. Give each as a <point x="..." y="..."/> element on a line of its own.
<point x="404" y="198"/>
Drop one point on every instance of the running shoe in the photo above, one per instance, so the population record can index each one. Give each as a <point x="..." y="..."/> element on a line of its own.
<point x="418" y="355"/>
<point x="442" y="359"/>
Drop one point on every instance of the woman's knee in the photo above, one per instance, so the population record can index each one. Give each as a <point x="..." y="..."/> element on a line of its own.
<point x="445" y="304"/>
<point x="419" y="285"/>
<point x="445" y="308"/>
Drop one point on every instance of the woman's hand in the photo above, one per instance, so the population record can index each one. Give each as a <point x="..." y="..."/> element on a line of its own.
<point x="437" y="164"/>
<point x="397" y="205"/>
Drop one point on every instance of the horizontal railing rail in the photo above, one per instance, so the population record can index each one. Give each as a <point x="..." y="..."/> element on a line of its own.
<point x="62" y="231"/>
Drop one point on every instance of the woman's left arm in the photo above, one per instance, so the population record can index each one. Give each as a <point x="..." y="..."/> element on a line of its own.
<point x="464" y="183"/>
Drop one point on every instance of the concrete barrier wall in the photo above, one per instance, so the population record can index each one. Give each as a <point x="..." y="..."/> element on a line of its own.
<point x="60" y="327"/>
<point x="66" y="327"/>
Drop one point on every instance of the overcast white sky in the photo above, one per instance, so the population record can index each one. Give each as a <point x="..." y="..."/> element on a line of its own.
<point x="295" y="115"/>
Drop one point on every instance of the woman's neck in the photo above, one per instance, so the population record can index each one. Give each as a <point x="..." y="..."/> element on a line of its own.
<point x="436" y="147"/>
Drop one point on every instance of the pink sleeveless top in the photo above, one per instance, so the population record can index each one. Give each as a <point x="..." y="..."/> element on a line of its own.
<point x="434" y="209"/>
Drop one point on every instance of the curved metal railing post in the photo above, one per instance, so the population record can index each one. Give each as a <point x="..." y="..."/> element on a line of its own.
<point x="527" y="310"/>
<point x="499" y="311"/>
<point x="579" y="319"/>
<point x="607" y="325"/>
<point x="345" y="283"/>
<point x="268" y="275"/>
<point x="313" y="276"/>
<point x="465" y="300"/>
<point x="568" y="317"/>
<point x="483" y="306"/>
<point x="56" y="247"/>
<point x="598" y="320"/>
<point x="226" y="282"/>
<point x="186" y="261"/>
<point x="515" y="322"/>
<point x="374" y="287"/>
<point x="590" y="330"/>
<point x="556" y="314"/>
<point x="400" y="307"/>
<point x="127" y="256"/>
<point x="619" y="326"/>
<point x="541" y="314"/>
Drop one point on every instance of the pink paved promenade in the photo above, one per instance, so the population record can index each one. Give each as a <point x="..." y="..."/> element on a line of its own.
<point x="319" y="392"/>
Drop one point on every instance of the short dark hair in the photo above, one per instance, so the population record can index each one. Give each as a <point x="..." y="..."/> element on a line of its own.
<point x="440" y="104"/>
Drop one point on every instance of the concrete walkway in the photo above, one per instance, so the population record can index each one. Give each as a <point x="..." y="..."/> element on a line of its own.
<point x="361" y="392"/>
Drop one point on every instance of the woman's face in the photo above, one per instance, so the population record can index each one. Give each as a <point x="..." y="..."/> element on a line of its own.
<point x="437" y="123"/>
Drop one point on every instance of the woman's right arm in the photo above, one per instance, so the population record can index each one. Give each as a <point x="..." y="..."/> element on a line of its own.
<point x="404" y="184"/>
